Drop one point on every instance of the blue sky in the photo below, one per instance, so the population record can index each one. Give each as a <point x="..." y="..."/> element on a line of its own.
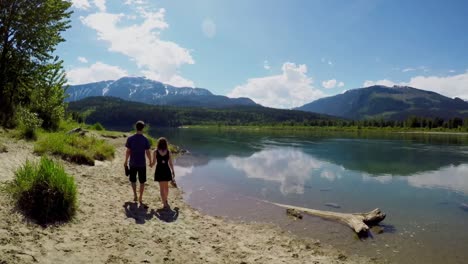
<point x="279" y="53"/>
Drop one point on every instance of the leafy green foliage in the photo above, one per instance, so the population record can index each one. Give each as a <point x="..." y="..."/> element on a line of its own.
<point x="74" y="148"/>
<point x="47" y="96"/>
<point x="97" y="126"/>
<point x="44" y="191"/>
<point x="28" y="124"/>
<point x="29" y="32"/>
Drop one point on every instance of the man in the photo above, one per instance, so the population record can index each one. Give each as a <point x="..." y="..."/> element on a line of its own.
<point x="137" y="146"/>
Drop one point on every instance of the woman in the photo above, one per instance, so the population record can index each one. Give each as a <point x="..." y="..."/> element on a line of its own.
<point x="164" y="172"/>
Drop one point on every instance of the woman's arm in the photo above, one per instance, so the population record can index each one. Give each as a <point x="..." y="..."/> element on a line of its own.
<point x="153" y="162"/>
<point x="171" y="165"/>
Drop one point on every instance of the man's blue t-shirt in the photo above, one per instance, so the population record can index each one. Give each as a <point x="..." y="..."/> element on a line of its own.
<point x="138" y="144"/>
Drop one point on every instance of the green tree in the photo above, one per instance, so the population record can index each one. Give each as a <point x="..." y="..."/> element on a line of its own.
<point x="29" y="32"/>
<point x="47" y="97"/>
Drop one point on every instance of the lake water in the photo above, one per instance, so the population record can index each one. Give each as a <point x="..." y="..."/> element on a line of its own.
<point x="419" y="181"/>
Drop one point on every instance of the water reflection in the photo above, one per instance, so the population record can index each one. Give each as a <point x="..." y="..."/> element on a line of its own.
<point x="293" y="159"/>
<point x="389" y="157"/>
<point x="454" y="178"/>
<point x="290" y="167"/>
<point x="394" y="154"/>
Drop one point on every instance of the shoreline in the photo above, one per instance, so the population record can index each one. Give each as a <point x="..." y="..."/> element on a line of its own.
<point x="110" y="228"/>
<point x="332" y="129"/>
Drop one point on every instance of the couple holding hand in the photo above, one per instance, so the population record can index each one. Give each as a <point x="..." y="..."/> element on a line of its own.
<point x="137" y="147"/>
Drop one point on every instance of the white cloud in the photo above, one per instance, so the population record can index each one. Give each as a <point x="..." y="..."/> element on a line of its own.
<point x="420" y="68"/>
<point x="175" y="80"/>
<point x="289" y="89"/>
<point x="141" y="42"/>
<point x="326" y="61"/>
<point x="332" y="84"/>
<point x="97" y="72"/>
<point x="82" y="59"/>
<point x="208" y="27"/>
<point x="266" y="65"/>
<point x="380" y="82"/>
<point x="135" y="2"/>
<point x="100" y="4"/>
<point x="329" y="84"/>
<point x="408" y="69"/>
<point x="80" y="4"/>
<point x="451" y="86"/>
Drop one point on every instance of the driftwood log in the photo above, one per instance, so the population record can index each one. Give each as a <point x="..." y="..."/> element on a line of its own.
<point x="359" y="222"/>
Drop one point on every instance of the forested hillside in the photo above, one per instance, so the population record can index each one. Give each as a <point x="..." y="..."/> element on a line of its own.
<point x="111" y="111"/>
<point x="390" y="103"/>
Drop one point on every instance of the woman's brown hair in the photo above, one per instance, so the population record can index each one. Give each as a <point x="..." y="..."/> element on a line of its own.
<point x="162" y="143"/>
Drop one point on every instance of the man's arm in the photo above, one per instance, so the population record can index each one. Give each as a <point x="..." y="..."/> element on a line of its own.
<point x="148" y="155"/>
<point x="127" y="155"/>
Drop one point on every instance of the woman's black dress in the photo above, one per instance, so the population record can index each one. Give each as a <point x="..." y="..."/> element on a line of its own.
<point x="163" y="172"/>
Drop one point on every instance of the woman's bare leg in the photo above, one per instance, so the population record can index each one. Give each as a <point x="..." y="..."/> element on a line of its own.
<point x="164" y="191"/>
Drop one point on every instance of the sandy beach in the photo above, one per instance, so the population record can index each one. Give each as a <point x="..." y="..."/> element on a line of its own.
<point x="110" y="228"/>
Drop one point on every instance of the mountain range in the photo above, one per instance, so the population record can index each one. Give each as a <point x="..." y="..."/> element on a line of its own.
<point x="394" y="103"/>
<point x="140" y="89"/>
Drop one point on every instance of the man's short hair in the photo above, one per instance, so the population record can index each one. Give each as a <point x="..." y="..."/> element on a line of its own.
<point x="140" y="125"/>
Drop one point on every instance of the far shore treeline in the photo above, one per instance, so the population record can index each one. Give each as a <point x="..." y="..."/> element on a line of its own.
<point x="116" y="112"/>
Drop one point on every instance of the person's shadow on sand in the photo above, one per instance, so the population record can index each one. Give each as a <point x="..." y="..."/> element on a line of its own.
<point x="139" y="212"/>
<point x="167" y="215"/>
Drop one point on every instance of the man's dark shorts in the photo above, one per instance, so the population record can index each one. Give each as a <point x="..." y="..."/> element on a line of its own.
<point x="141" y="171"/>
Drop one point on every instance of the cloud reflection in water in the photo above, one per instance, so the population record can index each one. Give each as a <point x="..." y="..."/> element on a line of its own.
<point x="291" y="167"/>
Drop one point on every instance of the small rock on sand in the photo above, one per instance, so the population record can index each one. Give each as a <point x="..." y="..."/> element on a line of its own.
<point x="294" y="213"/>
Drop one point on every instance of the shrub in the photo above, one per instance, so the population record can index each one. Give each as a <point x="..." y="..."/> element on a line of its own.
<point x="173" y="148"/>
<point x="97" y="126"/>
<point x="44" y="192"/>
<point x="74" y="148"/>
<point x="28" y="123"/>
<point x="68" y="124"/>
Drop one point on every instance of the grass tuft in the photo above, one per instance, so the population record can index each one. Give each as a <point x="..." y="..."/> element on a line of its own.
<point x="74" y="148"/>
<point x="44" y="192"/>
